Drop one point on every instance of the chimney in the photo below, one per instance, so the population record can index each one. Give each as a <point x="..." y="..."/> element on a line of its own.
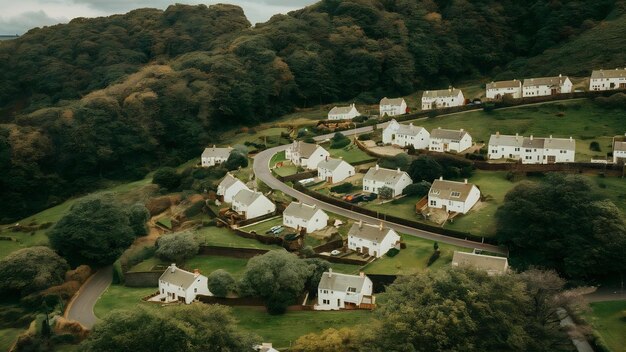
<point x="560" y="75"/>
<point x="360" y="223"/>
<point x="440" y="178"/>
<point x="377" y="167"/>
<point x="411" y="125"/>
<point x="398" y="170"/>
<point x="380" y="226"/>
<point x="498" y="133"/>
<point x="570" y="138"/>
<point x="196" y="272"/>
<point x="531" y="137"/>
<point x="213" y="146"/>
<point x="439" y="127"/>
<point x="465" y="181"/>
<point x="352" y="105"/>
<point x="361" y="274"/>
<point x="461" y="130"/>
<point x="326" y="158"/>
<point x="550" y="136"/>
<point x="173" y="267"/>
<point x="330" y="272"/>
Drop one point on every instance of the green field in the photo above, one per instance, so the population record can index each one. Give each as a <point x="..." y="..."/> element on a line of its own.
<point x="286" y="170"/>
<point x="209" y="263"/>
<point x="221" y="236"/>
<point x="263" y="226"/>
<point x="351" y="154"/>
<point x="403" y="207"/>
<point x="608" y="320"/>
<point x="122" y="297"/>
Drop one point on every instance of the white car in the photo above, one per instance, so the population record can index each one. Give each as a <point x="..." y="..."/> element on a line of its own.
<point x="335" y="253"/>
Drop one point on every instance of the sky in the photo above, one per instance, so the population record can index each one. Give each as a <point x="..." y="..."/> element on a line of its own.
<point x="17" y="16"/>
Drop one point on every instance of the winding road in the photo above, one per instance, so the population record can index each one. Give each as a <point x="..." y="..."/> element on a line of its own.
<point x="81" y="307"/>
<point x="261" y="167"/>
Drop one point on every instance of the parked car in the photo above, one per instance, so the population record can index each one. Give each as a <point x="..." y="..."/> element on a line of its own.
<point x="353" y="198"/>
<point x="273" y="228"/>
<point x="335" y="252"/>
<point x="370" y="197"/>
<point x="278" y="231"/>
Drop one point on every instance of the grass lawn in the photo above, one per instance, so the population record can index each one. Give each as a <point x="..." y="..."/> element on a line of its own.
<point x="263" y="226"/>
<point x="346" y="268"/>
<point x="607" y="321"/>
<point x="8" y="337"/>
<point x="283" y="330"/>
<point x="403" y="207"/>
<point x="122" y="297"/>
<point x="209" y="263"/>
<point x="286" y="170"/>
<point x="280" y="156"/>
<point x="351" y="154"/>
<point x="269" y="135"/>
<point x="412" y="259"/>
<point x="221" y="236"/>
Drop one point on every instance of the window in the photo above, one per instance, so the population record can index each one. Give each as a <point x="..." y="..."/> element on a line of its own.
<point x="352" y="289"/>
<point x="433" y="203"/>
<point x="455" y="194"/>
<point x="434" y="191"/>
<point x="195" y="290"/>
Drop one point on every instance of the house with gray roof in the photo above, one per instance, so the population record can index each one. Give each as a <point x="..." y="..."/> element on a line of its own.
<point x="608" y="79"/>
<point x="405" y="135"/>
<point x="252" y="204"/>
<point x="444" y="140"/>
<point x="537" y="87"/>
<point x="378" y="177"/>
<point x="304" y="217"/>
<point x="178" y="285"/>
<point x="306" y="155"/>
<point x="392" y="107"/>
<point x="619" y="149"/>
<point x="339" y="291"/>
<point x="373" y="240"/>
<point x="453" y="196"/>
<point x="334" y="170"/>
<point x="497" y="90"/>
<point x="215" y="156"/>
<point x="491" y="264"/>
<point x="548" y="150"/>
<point x="343" y="112"/>
<point x="503" y="146"/>
<point x="229" y="187"/>
<point x="444" y="98"/>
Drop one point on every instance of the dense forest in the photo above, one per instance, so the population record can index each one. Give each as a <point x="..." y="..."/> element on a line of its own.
<point x="110" y="98"/>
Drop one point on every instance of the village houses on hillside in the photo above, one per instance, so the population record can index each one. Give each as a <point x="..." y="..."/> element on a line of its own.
<point x="444" y="98"/>
<point x="392" y="107"/>
<point x="443" y="140"/>
<point x="453" y="196"/>
<point x="405" y="135"/>
<point x="176" y="284"/>
<point x="373" y="240"/>
<point x="229" y="187"/>
<point x="343" y="112"/>
<point x="608" y="79"/>
<point x="308" y="218"/>
<point x="531" y="150"/>
<point x="338" y="291"/>
<point x="334" y="170"/>
<point x="538" y="87"/>
<point x="252" y="204"/>
<point x="497" y="90"/>
<point x="378" y="177"/>
<point x="215" y="156"/>
<point x="306" y="155"/>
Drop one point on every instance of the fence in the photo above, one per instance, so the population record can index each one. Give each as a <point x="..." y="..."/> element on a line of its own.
<point x="329" y="246"/>
<point x="298" y="176"/>
<point x="341" y="260"/>
<point x="261" y="238"/>
<point x="232" y="252"/>
<point x="606" y="169"/>
<point x="142" y="278"/>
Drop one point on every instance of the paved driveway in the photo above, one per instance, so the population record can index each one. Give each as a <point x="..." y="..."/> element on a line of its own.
<point x="81" y="308"/>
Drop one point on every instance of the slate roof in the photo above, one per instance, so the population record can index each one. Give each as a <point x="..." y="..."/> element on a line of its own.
<point x="504" y="84"/>
<point x="479" y="261"/>
<point x="341" y="109"/>
<point x="550" y="143"/>
<point x="373" y="233"/>
<point x="409" y="130"/>
<point x="301" y="210"/>
<point x="506" y="140"/>
<point x="228" y="181"/>
<point x="447" y="134"/>
<point x="305" y="149"/>
<point x="446" y="188"/>
<point x="391" y="101"/>
<point x="384" y="175"/>
<point x="217" y="152"/>
<point x="179" y="277"/>
<point x="617" y="73"/>
<point x="545" y="81"/>
<point x="331" y="164"/>
<point x="619" y="146"/>
<point x="442" y="93"/>
<point x="247" y="197"/>
<point x="340" y="282"/>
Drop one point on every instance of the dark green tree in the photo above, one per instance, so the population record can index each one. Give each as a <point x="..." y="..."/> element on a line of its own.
<point x="138" y="216"/>
<point x="167" y="178"/>
<point x="221" y="282"/>
<point x="177" y="247"/>
<point x="30" y="270"/>
<point x="425" y="168"/>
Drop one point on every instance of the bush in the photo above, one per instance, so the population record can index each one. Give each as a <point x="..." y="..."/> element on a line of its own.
<point x="365" y="137"/>
<point x="220" y="283"/>
<point x="594" y="146"/>
<point x="433" y="257"/>
<point x="385" y="192"/>
<point x="138" y="216"/>
<point x="309" y="140"/>
<point x="167" y="178"/>
<point x="30" y="270"/>
<point x="392" y="252"/>
<point x="194" y="209"/>
<point x="338" y="144"/>
<point x="177" y="247"/>
<point x="419" y="189"/>
<point x="342" y="188"/>
<point x="360" y="118"/>
<point x="235" y="161"/>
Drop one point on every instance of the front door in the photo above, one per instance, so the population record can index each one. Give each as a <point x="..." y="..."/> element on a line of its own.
<point x="329" y="179"/>
<point x="366" y="250"/>
<point x="554" y="91"/>
<point x="445" y="147"/>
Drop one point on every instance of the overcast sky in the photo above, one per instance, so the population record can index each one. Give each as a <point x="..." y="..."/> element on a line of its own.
<point x="17" y="16"/>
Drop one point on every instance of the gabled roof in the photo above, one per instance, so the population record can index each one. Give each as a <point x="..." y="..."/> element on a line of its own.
<point x="177" y="276"/>
<point x="305" y="149"/>
<point x="409" y="130"/>
<point x="489" y="263"/>
<point x="374" y="233"/>
<point x="331" y="164"/>
<point x="217" y="152"/>
<point x="545" y="81"/>
<point x="447" y="134"/>
<point x="247" y="197"/>
<point x="560" y="143"/>
<point x="380" y="174"/>
<point x="619" y="146"/>
<point x="229" y="180"/>
<point x="340" y="282"/>
<point x="392" y="101"/>
<point x="504" y="84"/>
<point x="301" y="210"/>
<point x="617" y="73"/>
<point x="533" y="142"/>
<point x="442" y="93"/>
<point x="341" y="109"/>
<point x="451" y="190"/>
<point x="506" y="140"/>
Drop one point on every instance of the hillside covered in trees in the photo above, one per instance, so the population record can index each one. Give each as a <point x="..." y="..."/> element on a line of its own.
<point x="110" y="98"/>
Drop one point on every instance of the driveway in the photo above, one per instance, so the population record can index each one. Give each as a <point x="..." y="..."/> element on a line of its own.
<point x="81" y="307"/>
<point x="262" y="172"/>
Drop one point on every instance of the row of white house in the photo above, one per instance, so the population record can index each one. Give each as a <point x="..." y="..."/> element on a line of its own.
<point x="532" y="150"/>
<point x="386" y="107"/>
<point x="246" y="202"/>
<point x="438" y="140"/>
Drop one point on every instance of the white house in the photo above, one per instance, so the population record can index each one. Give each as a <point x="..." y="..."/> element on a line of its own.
<point x="405" y="135"/>
<point x="608" y="80"/>
<point x="452" y="196"/>
<point x="265" y="347"/>
<point x="548" y="150"/>
<point x="338" y="291"/>
<point x="442" y="140"/>
<point x="176" y="284"/>
<point x="303" y="216"/>
<point x="373" y="240"/>
<point x="215" y="156"/>
<point x="497" y="90"/>
<point x="377" y="177"/>
<point x="392" y="107"/>
<point x="491" y="264"/>
<point x="334" y="170"/>
<point x="619" y="149"/>
<point x="434" y="99"/>
<point x="343" y="112"/>
<point x="307" y="155"/>
<point x="252" y="204"/>
<point x="505" y="146"/>
<point x="229" y="187"/>
<point x="537" y="87"/>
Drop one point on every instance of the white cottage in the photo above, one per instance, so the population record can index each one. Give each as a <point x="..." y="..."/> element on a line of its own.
<point x="252" y="204"/>
<point x="343" y="112"/>
<point x="338" y="291"/>
<point x="303" y="216"/>
<point x="537" y="87"/>
<point x="619" y="149"/>
<point x="373" y="240"/>
<point x="306" y="155"/>
<point x="452" y="196"/>
<point x="334" y="170"/>
<point x="548" y="150"/>
<point x="406" y="135"/>
<point x="497" y="90"/>
<point x="392" y="107"/>
<point x="608" y="80"/>
<point x="176" y="284"/>
<point x="491" y="264"/>
<point x="377" y="177"/>
<point x="435" y="99"/>
<point x="215" y="156"/>
<point x="442" y="140"/>
<point x="505" y="146"/>
<point x="229" y="187"/>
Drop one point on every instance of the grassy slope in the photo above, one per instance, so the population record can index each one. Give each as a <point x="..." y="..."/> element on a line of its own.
<point x="607" y="321"/>
<point x="8" y="337"/>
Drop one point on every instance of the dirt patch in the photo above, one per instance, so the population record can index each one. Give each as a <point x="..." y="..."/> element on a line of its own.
<point x="438" y="216"/>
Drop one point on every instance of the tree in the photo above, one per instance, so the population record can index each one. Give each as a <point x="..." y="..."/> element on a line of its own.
<point x="317" y="267"/>
<point x="220" y="282"/>
<point x="331" y="340"/>
<point x="193" y="328"/>
<point x="398" y="161"/>
<point x="235" y="161"/>
<point x="177" y="247"/>
<point x="30" y="270"/>
<point x="95" y="232"/>
<point x="339" y="140"/>
<point x="419" y="189"/>
<point x="277" y="276"/>
<point x="385" y="192"/>
<point x="138" y="216"/>
<point x="562" y="223"/>
<point x="167" y="178"/>
<point x="425" y="168"/>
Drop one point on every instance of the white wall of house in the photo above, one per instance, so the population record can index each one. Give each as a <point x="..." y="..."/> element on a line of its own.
<point x="419" y="141"/>
<point x="442" y="102"/>
<point x="450" y="145"/>
<point x="543" y="90"/>
<point x="504" y="151"/>
<point x="375" y="249"/>
<point x="352" y="113"/>
<point x="499" y="93"/>
<point x="373" y="186"/>
<point x="173" y="292"/>
<point x="311" y="163"/>
<point x="619" y="154"/>
<point x="390" y="131"/>
<point x="342" y="172"/>
<point x="230" y="192"/>
<point x="212" y="161"/>
<point x="456" y="206"/>
<point x="607" y="83"/>
<point x="542" y="155"/>
<point x="261" y="206"/>
<point x="335" y="300"/>
<point x="392" y="110"/>
<point x="315" y="223"/>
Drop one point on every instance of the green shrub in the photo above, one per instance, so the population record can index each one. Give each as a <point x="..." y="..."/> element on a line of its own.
<point x="338" y="144"/>
<point x="167" y="178"/>
<point x="342" y="188"/>
<point x="365" y="137"/>
<point x="419" y="189"/>
<point x="594" y="146"/>
<point x="392" y="252"/>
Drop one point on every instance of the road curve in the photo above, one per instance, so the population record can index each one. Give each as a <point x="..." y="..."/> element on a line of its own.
<point x="81" y="307"/>
<point x="262" y="171"/>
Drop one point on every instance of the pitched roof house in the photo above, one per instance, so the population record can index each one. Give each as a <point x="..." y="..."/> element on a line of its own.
<point x="452" y="196"/>
<point x="214" y="156"/>
<point x="176" y="284"/>
<point x="229" y="187"/>
<point x="372" y="239"/>
<point x="619" y="149"/>
<point x="405" y="135"/>
<point x="434" y="99"/>
<point x="252" y="204"/>
<point x="497" y="90"/>
<point x="378" y="177"/>
<point x="608" y="79"/>
<point x="536" y="87"/>
<point x="505" y="146"/>
<point x="307" y="155"/>
<point x="392" y="107"/>
<point x="343" y="112"/>
<point x="338" y="291"/>
<point x="443" y="140"/>
<point x="548" y="150"/>
<point x="491" y="264"/>
<point x="305" y="217"/>
<point x="334" y="170"/>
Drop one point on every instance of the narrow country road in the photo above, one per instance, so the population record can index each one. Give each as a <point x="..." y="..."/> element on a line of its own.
<point x="81" y="307"/>
<point x="262" y="171"/>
